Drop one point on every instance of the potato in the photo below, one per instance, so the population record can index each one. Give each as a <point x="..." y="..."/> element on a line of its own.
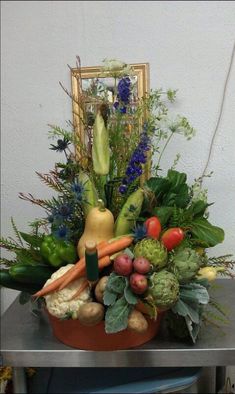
<point x="137" y="322"/>
<point x="91" y="313"/>
<point x="100" y="287"/>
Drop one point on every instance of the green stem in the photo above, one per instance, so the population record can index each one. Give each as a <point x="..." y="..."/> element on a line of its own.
<point x="115" y="89"/>
<point x="101" y="205"/>
<point x="164" y="148"/>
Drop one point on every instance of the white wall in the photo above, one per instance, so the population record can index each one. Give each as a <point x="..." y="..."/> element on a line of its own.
<point x="188" y="46"/>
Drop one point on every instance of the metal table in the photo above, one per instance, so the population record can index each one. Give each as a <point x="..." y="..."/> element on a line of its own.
<point x="27" y="341"/>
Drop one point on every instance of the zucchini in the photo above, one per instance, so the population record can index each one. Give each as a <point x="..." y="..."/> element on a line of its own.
<point x="30" y="274"/>
<point x="7" y="281"/>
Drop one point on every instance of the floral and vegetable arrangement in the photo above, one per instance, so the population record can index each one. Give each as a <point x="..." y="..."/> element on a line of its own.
<point x="121" y="240"/>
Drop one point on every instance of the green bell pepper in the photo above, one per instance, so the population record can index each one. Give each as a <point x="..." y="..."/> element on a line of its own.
<point x="58" y="252"/>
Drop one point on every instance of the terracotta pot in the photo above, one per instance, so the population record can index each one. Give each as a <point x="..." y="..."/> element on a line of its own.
<point x="74" y="334"/>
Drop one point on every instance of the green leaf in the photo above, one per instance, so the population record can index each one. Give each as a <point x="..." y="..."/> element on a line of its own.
<point x="24" y="297"/>
<point x="171" y="190"/>
<point x="16" y="231"/>
<point x="129" y="253"/>
<point x="109" y="297"/>
<point x="183" y="309"/>
<point x="32" y="240"/>
<point x="116" y="318"/>
<point x="178" y="194"/>
<point x="193" y="328"/>
<point x="158" y="186"/>
<point x="129" y="295"/>
<point x="194" y="293"/>
<point x="176" y="178"/>
<point x="27" y="256"/>
<point x="163" y="214"/>
<point x="116" y="283"/>
<point x="202" y="230"/>
<point x="198" y="208"/>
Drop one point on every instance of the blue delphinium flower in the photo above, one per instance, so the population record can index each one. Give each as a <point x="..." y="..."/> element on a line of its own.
<point x="124" y="89"/>
<point x="123" y="94"/>
<point x="138" y="158"/>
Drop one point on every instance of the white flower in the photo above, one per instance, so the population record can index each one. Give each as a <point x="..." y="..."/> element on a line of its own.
<point x="113" y="64"/>
<point x="116" y="67"/>
<point x="179" y="125"/>
<point x="198" y="194"/>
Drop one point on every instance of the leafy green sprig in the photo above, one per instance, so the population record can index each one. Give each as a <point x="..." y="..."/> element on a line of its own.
<point x="26" y="247"/>
<point x="120" y="301"/>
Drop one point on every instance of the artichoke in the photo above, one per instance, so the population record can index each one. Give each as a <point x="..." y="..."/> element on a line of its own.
<point x="185" y="264"/>
<point x="153" y="251"/>
<point x="163" y="289"/>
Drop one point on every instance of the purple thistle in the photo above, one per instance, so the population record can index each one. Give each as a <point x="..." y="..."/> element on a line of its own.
<point x="62" y="232"/>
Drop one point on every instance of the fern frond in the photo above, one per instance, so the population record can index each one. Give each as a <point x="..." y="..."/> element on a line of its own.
<point x="37" y="223"/>
<point x="51" y="181"/>
<point x="224" y="260"/>
<point x="220" y="308"/>
<point x="9" y="245"/>
<point x="7" y="262"/>
<point x="58" y="132"/>
<point x="216" y="318"/>
<point x="29" y="197"/>
<point x="211" y="322"/>
<point x="17" y="234"/>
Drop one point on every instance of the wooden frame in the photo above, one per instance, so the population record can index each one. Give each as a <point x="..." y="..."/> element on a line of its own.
<point x="78" y="77"/>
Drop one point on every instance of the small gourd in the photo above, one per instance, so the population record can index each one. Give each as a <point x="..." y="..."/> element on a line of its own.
<point x="99" y="226"/>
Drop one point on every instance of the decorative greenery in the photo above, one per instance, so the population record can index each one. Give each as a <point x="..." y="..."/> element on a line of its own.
<point x="125" y="135"/>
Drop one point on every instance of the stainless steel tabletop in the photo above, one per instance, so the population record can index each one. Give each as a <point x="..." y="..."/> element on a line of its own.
<point x="27" y="340"/>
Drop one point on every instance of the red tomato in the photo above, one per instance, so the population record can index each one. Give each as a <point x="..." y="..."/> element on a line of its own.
<point x="172" y="237"/>
<point x="153" y="227"/>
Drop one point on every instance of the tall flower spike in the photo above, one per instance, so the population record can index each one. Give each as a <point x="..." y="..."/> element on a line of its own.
<point x="123" y="94"/>
<point x="134" y="168"/>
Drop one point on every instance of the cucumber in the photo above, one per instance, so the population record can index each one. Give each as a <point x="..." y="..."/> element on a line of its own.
<point x="6" y="280"/>
<point x="30" y="274"/>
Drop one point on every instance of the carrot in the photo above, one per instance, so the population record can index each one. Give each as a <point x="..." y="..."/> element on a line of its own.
<point x="53" y="286"/>
<point x="104" y="262"/>
<point x="79" y="269"/>
<point x="80" y="290"/>
<point x="107" y="250"/>
<point x="77" y="273"/>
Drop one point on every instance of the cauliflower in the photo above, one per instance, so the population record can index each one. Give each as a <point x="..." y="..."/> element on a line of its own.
<point x="59" y="303"/>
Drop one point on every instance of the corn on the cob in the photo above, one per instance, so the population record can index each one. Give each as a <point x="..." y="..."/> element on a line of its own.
<point x="129" y="213"/>
<point x="100" y="147"/>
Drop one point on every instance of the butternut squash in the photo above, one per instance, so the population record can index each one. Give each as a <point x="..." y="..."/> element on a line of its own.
<point x="99" y="226"/>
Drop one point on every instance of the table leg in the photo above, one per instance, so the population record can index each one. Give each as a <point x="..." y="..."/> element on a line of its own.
<point x="19" y="380"/>
<point x="207" y="380"/>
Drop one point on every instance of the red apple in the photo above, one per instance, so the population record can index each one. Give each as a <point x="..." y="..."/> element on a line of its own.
<point x="123" y="264"/>
<point x="141" y="265"/>
<point x="138" y="283"/>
